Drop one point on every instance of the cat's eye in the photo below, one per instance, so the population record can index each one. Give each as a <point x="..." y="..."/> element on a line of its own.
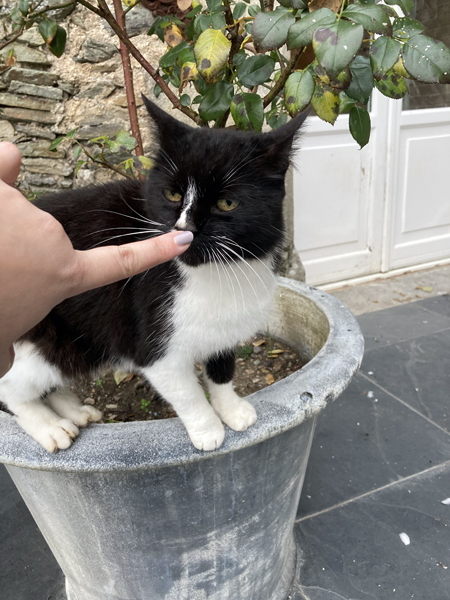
<point x="227" y="204"/>
<point x="172" y="196"/>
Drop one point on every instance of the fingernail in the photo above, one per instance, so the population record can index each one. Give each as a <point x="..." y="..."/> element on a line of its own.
<point x="182" y="239"/>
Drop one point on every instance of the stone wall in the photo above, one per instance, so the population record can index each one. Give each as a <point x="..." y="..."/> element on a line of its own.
<point x="42" y="96"/>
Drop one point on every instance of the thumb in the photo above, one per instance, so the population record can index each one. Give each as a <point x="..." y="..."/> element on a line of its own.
<point x="100" y="266"/>
<point x="10" y="158"/>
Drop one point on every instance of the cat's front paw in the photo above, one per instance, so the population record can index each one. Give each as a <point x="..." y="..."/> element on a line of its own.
<point x="209" y="438"/>
<point x="55" y="434"/>
<point x="238" y="417"/>
<point x="68" y="406"/>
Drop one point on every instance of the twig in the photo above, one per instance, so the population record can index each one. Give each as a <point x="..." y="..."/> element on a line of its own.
<point x="13" y="39"/>
<point x="106" y="14"/>
<point x="128" y="77"/>
<point x="280" y="58"/>
<point x="279" y="85"/>
<point x="104" y="163"/>
<point x="48" y="8"/>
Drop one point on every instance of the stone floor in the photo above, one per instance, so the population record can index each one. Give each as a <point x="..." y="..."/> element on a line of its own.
<point x="379" y="469"/>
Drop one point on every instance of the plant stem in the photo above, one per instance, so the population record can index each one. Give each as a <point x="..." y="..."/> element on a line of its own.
<point x="283" y="77"/>
<point x="104" y="163"/>
<point x="13" y="39"/>
<point x="127" y="10"/>
<point x="105" y="13"/>
<point x="44" y="10"/>
<point x="128" y="77"/>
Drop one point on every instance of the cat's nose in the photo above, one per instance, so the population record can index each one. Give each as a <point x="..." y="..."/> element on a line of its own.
<point x="185" y="226"/>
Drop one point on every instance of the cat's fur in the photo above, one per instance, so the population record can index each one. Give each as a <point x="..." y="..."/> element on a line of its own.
<point x="195" y="308"/>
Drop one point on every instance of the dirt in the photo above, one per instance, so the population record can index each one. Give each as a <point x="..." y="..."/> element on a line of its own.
<point x="128" y="397"/>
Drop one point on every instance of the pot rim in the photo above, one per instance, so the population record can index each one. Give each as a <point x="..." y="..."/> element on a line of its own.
<point x="146" y="445"/>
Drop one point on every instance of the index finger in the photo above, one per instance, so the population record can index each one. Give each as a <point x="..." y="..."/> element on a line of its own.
<point x="10" y="159"/>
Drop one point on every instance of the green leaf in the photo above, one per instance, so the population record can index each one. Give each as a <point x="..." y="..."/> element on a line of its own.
<point x="405" y="28"/>
<point x="298" y="91"/>
<point x="16" y="17"/>
<point x="170" y="57"/>
<point x="185" y="100"/>
<point x="426" y="59"/>
<point x="80" y="163"/>
<point x="77" y="151"/>
<point x="297" y="4"/>
<point x="325" y="102"/>
<point x="48" y="29"/>
<point x="244" y="351"/>
<point x="56" y="142"/>
<point x="277" y="121"/>
<point x="383" y="55"/>
<point x="362" y="82"/>
<point x="213" y="4"/>
<point x="345" y="103"/>
<point x="239" y="58"/>
<point x="301" y="33"/>
<point x="392" y="85"/>
<point x="125" y="139"/>
<point x="23" y="7"/>
<point x="58" y="43"/>
<point x="405" y="5"/>
<point x="270" y="29"/>
<point x="255" y="70"/>
<point x="336" y="45"/>
<point x="72" y="133"/>
<point x="211" y="52"/>
<point x="157" y="90"/>
<point x="254" y="10"/>
<point x="248" y="112"/>
<point x="216" y="101"/>
<point x="359" y="124"/>
<point x="185" y="56"/>
<point x="239" y="10"/>
<point x="218" y="20"/>
<point x="371" y="17"/>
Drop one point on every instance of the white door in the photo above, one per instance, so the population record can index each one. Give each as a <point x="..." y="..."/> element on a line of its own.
<point x="386" y="207"/>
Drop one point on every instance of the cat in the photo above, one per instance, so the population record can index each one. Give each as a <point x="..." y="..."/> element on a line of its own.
<point x="227" y="187"/>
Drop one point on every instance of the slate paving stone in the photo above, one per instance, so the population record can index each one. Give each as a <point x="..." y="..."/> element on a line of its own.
<point x="354" y="552"/>
<point x="362" y="443"/>
<point x="418" y="372"/>
<point x="437" y="304"/>
<point x="399" y="324"/>
<point x="28" y="570"/>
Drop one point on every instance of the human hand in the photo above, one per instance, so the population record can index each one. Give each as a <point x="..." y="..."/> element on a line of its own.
<point x="39" y="267"/>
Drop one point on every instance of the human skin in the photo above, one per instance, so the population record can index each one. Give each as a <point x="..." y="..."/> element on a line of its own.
<point x="39" y="267"/>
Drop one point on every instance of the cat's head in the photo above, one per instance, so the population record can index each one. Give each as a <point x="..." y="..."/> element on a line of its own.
<point x="224" y="185"/>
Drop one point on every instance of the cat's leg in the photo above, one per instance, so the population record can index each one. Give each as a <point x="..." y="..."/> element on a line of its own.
<point x="23" y="388"/>
<point x="234" y="411"/>
<point x="67" y="405"/>
<point x="178" y="384"/>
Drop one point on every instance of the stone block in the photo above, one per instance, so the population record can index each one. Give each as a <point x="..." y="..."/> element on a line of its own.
<point x="24" y="54"/>
<point x="121" y="100"/>
<point x="32" y="37"/>
<point x="28" y="102"/>
<point x="6" y="132"/>
<point x="17" y="87"/>
<point x="101" y="89"/>
<point x="47" y="166"/>
<point x="93" y="130"/>
<point x="35" y="116"/>
<point x="34" y="131"/>
<point x="40" y="180"/>
<point x="68" y="87"/>
<point x="40" y="149"/>
<point x="31" y="76"/>
<point x="92" y="51"/>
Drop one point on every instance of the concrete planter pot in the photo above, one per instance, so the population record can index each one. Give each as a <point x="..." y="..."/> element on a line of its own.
<point x="133" y="512"/>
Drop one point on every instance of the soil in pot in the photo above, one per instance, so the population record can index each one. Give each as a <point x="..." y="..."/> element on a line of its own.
<point x="128" y="397"/>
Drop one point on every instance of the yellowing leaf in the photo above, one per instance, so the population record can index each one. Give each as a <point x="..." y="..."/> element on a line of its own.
<point x="188" y="73"/>
<point x="325" y="102"/>
<point x="211" y="53"/>
<point x="270" y="379"/>
<point x="333" y="5"/>
<point x="172" y="35"/>
<point x="129" y="3"/>
<point x="184" y="4"/>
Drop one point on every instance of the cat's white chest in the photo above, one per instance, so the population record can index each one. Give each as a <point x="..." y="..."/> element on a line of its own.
<point x="219" y="306"/>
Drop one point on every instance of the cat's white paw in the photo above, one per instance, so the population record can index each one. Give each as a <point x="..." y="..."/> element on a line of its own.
<point x="50" y="432"/>
<point x="68" y="406"/>
<point x="238" y="416"/>
<point x="208" y="439"/>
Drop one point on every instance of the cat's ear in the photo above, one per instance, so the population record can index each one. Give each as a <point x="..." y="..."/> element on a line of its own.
<point x="168" y="127"/>
<point x="279" y="144"/>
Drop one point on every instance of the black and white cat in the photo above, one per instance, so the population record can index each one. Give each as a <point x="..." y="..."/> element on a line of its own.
<point x="225" y="186"/>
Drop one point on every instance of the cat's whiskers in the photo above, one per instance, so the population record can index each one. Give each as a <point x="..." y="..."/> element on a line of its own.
<point x="247" y="263"/>
<point x="146" y="219"/>
<point x="114" y="212"/>
<point x="240" y="165"/>
<point x="145" y="232"/>
<point x="230" y="267"/>
<point x="245" y="275"/>
<point x="224" y="263"/>
<point x="230" y="241"/>
<point x="169" y="160"/>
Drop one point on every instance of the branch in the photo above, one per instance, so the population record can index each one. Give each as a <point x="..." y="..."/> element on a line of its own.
<point x="13" y="39"/>
<point x="105" y="13"/>
<point x="128" y="77"/>
<point x="44" y="10"/>
<point x="283" y="77"/>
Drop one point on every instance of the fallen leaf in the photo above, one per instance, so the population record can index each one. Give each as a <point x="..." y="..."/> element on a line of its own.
<point x="424" y="288"/>
<point x="258" y="343"/>
<point x="269" y="379"/>
<point x="334" y="5"/>
<point x="121" y="376"/>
